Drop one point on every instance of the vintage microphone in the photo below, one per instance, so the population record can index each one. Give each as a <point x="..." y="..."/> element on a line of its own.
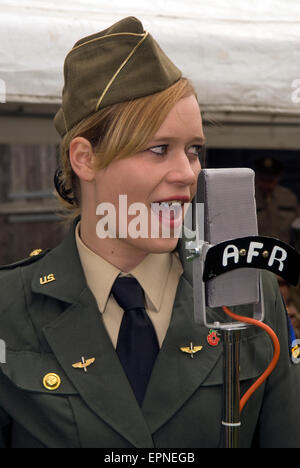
<point x="227" y="258"/>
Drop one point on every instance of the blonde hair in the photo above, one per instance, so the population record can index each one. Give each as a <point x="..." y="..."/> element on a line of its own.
<point x="118" y="131"/>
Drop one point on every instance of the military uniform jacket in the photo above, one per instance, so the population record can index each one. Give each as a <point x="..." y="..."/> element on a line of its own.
<point x="48" y="326"/>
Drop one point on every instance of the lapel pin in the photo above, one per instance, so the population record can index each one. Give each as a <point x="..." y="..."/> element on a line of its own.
<point x="213" y="338"/>
<point x="47" y="279"/>
<point x="84" y="363"/>
<point x="191" y="350"/>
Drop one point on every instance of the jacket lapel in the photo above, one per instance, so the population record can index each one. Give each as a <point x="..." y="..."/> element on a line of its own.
<point x="176" y="375"/>
<point x="79" y="331"/>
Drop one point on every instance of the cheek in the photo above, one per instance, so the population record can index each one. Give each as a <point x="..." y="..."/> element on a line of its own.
<point x="109" y="184"/>
<point x="132" y="189"/>
<point x="198" y="167"/>
<point x="196" y="170"/>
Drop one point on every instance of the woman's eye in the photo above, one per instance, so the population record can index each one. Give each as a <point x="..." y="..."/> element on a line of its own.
<point x="196" y="150"/>
<point x="161" y="149"/>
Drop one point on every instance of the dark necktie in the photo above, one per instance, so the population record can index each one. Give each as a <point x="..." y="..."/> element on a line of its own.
<point x="137" y="345"/>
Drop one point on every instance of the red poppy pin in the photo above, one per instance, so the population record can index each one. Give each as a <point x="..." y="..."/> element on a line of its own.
<point x="213" y="338"/>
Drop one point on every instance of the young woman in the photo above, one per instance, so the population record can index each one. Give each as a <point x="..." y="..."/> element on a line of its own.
<point x="95" y="330"/>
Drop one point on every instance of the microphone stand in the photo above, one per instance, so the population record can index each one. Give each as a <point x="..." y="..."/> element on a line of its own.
<point x="231" y="387"/>
<point x="231" y="336"/>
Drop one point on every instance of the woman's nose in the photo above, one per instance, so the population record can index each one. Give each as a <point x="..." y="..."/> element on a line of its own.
<point x="182" y="170"/>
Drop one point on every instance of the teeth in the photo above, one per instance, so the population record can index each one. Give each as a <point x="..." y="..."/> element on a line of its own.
<point x="166" y="204"/>
<point x="166" y="207"/>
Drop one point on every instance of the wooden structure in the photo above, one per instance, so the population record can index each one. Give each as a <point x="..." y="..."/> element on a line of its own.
<point x="29" y="211"/>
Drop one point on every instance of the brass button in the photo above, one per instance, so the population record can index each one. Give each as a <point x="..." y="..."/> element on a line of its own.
<point x="243" y="252"/>
<point x="51" y="381"/>
<point x="35" y="252"/>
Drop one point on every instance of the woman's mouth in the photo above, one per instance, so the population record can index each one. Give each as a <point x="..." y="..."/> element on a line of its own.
<point x="169" y="213"/>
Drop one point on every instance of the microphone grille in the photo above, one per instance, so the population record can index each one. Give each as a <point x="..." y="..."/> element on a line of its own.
<point x="230" y="212"/>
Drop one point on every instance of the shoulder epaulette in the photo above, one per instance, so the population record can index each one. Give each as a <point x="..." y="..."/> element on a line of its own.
<point x="33" y="257"/>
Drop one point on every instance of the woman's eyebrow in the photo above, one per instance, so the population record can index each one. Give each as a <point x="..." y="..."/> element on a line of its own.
<point x="197" y="138"/>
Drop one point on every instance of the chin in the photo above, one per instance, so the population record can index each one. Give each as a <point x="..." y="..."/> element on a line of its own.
<point x="159" y="245"/>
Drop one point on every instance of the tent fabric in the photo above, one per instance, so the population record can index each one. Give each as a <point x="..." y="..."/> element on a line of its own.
<point x="241" y="56"/>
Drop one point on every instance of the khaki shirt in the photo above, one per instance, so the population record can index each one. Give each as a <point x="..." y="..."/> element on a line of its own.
<point x="160" y="288"/>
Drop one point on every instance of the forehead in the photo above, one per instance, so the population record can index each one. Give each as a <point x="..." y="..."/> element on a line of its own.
<point x="184" y="119"/>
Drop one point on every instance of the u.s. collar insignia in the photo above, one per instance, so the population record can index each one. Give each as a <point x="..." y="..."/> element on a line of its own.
<point x="191" y="350"/>
<point x="47" y="278"/>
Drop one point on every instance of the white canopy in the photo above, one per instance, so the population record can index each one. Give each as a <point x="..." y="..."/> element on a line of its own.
<point x="242" y="56"/>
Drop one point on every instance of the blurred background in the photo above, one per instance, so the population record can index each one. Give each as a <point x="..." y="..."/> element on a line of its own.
<point x="243" y="58"/>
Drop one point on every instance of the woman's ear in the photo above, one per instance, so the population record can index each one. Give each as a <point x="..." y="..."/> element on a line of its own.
<point x="81" y="158"/>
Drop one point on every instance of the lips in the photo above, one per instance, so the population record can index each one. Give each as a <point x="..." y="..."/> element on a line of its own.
<point x="170" y="211"/>
<point x="178" y="198"/>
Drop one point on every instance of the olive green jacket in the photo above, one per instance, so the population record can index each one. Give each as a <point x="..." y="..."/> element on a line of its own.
<point x="48" y="326"/>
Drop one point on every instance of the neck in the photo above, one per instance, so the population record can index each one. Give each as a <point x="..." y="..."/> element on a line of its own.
<point x="116" y="251"/>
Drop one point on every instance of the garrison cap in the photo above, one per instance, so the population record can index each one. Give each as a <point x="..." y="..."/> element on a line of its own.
<point x="269" y="166"/>
<point x="118" y="64"/>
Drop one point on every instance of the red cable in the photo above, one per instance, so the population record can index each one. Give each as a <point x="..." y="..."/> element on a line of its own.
<point x="272" y="364"/>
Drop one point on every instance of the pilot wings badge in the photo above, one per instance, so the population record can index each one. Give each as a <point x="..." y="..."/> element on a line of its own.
<point x="84" y="363"/>
<point x="191" y="350"/>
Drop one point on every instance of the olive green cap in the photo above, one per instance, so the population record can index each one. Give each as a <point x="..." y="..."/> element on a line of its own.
<point x="118" y="64"/>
